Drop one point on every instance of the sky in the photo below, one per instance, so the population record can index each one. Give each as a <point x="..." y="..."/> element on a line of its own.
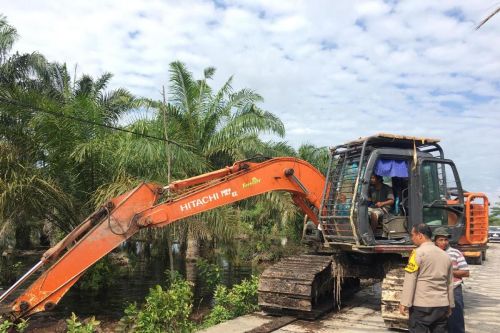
<point x="332" y="71"/>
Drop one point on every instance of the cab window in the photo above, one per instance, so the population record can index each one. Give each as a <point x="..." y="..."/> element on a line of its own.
<point x="440" y="194"/>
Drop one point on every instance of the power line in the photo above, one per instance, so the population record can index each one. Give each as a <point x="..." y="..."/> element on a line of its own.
<point x="496" y="11"/>
<point x="86" y="121"/>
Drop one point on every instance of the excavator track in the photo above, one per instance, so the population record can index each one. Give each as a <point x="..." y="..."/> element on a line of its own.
<point x="300" y="286"/>
<point x="392" y="286"/>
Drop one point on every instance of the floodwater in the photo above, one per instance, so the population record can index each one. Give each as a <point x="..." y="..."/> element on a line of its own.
<point x="131" y="283"/>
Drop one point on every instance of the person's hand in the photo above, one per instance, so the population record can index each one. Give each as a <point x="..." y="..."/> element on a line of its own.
<point x="403" y="309"/>
<point x="378" y="204"/>
<point x="449" y="311"/>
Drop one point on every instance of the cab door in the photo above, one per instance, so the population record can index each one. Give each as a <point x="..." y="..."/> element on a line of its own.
<point x="440" y="196"/>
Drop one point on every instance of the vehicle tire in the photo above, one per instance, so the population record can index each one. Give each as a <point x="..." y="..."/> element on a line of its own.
<point x="476" y="260"/>
<point x="483" y="255"/>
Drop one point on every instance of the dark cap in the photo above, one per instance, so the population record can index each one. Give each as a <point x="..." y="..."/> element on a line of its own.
<point x="441" y="231"/>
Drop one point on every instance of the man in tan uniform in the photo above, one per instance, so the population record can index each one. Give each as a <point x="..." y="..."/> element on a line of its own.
<point x="428" y="285"/>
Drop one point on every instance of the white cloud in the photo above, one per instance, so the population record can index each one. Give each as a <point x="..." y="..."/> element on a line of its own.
<point x="371" y="8"/>
<point x="288" y="24"/>
<point x="331" y="70"/>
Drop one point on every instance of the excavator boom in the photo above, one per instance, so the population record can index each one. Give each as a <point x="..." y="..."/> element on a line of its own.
<point x="123" y="216"/>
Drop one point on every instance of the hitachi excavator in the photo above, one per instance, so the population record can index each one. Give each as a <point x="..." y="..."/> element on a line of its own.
<point x="344" y="246"/>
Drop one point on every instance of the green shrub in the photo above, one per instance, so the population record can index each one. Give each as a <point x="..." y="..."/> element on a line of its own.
<point x="7" y="325"/>
<point x="76" y="326"/>
<point x="172" y="277"/>
<point x="127" y="322"/>
<point x="209" y="274"/>
<point x="163" y="311"/>
<point x="218" y="315"/>
<point x="4" y="327"/>
<point x="10" y="271"/>
<point x="98" y="277"/>
<point x="231" y="303"/>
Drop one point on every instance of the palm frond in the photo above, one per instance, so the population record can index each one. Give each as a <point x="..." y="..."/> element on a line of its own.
<point x="120" y="184"/>
<point x="317" y="156"/>
<point x="84" y="86"/>
<point x="183" y="90"/>
<point x="209" y="72"/>
<point x="24" y="189"/>
<point x="220" y="224"/>
<point x="115" y="103"/>
<point x="102" y="82"/>
<point x="249" y="121"/>
<point x="8" y="35"/>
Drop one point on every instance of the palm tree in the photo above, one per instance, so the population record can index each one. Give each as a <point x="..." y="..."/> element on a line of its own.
<point x="317" y="156"/>
<point x="220" y="126"/>
<point x="25" y="186"/>
<point x="8" y="35"/>
<point x="86" y="144"/>
<point x="55" y="126"/>
<point x="209" y="129"/>
<point x="28" y="198"/>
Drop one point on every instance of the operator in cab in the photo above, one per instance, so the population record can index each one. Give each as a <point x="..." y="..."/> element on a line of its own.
<point x="381" y="198"/>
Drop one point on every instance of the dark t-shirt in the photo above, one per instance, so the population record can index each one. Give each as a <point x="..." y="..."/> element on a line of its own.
<point x="384" y="194"/>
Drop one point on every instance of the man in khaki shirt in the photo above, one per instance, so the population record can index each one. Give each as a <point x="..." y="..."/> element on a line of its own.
<point x="428" y="285"/>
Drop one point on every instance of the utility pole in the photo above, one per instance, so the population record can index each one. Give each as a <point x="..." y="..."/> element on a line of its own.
<point x="165" y="132"/>
<point x="167" y="151"/>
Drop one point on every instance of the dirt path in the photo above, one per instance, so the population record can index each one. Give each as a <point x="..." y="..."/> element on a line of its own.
<point x="361" y="313"/>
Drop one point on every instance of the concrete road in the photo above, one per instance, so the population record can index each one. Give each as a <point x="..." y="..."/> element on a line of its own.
<point x="361" y="313"/>
<point x="482" y="294"/>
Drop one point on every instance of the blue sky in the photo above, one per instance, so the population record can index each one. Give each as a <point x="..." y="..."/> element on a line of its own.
<point x="331" y="70"/>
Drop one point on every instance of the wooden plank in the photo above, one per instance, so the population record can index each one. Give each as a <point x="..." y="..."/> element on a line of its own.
<point x="285" y="287"/>
<point x="290" y="274"/>
<point x="277" y="301"/>
<point x="274" y="325"/>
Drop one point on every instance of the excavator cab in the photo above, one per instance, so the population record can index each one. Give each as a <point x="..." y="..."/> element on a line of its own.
<point x="426" y="189"/>
<point x="425" y="186"/>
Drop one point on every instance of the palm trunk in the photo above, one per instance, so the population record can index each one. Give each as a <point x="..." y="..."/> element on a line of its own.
<point x="170" y="253"/>
<point x="191" y="270"/>
<point x="22" y="234"/>
<point x="193" y="248"/>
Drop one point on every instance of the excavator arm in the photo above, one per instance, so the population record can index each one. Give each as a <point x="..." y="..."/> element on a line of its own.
<point x="147" y="206"/>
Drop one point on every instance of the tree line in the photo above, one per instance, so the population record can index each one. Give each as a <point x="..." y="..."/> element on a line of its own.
<point x="68" y="143"/>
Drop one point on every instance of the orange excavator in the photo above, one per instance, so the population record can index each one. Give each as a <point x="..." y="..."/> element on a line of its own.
<point x="344" y="247"/>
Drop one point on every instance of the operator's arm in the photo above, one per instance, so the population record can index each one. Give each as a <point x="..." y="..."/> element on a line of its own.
<point x="389" y="200"/>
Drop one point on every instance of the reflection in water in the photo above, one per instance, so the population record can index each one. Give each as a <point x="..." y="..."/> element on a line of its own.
<point x="176" y="248"/>
<point x="132" y="283"/>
